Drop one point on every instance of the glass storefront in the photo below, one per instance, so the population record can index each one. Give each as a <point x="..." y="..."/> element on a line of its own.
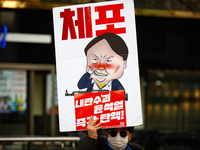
<point x="172" y="100"/>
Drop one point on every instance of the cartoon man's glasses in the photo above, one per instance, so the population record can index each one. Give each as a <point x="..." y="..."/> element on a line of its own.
<point x="123" y="134"/>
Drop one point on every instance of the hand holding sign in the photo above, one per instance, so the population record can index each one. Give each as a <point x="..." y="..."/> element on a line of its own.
<point x="93" y="127"/>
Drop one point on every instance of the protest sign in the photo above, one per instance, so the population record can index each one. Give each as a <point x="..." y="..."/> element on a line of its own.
<point x="109" y="107"/>
<point x="97" y="65"/>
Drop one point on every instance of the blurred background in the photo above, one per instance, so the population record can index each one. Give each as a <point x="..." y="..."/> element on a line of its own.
<point x="168" y="38"/>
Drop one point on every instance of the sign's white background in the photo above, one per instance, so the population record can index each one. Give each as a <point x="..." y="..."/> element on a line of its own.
<point x="71" y="64"/>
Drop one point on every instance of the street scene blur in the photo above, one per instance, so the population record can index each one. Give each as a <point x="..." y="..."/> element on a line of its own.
<point x="168" y="47"/>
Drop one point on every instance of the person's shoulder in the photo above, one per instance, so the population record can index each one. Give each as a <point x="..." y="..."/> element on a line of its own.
<point x="88" y="139"/>
<point x="135" y="146"/>
<point x="87" y="143"/>
<point x="101" y="139"/>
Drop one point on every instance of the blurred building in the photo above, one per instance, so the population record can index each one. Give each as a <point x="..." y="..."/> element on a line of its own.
<point x="168" y="39"/>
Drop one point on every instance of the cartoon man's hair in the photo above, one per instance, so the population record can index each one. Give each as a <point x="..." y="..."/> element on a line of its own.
<point x="116" y="43"/>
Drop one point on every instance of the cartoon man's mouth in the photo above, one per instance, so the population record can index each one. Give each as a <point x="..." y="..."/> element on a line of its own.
<point x="99" y="74"/>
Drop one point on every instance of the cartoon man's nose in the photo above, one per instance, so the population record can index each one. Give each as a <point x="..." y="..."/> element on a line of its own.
<point x="101" y="66"/>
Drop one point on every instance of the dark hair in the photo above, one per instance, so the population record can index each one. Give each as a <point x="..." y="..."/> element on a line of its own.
<point x="130" y="129"/>
<point x="116" y="43"/>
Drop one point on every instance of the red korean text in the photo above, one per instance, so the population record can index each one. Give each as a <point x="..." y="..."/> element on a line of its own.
<point x="109" y="107"/>
<point x="84" y="21"/>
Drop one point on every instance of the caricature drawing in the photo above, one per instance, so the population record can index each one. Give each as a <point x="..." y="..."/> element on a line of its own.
<point x="106" y="60"/>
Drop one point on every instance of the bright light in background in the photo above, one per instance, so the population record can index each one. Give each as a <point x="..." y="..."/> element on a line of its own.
<point x="144" y="84"/>
<point x="13" y="4"/>
<point x="158" y="82"/>
<point x="29" y="38"/>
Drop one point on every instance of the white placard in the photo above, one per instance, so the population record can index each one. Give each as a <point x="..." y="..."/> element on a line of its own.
<point x="96" y="49"/>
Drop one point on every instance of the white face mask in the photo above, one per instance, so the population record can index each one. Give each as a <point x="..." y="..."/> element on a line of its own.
<point x="117" y="142"/>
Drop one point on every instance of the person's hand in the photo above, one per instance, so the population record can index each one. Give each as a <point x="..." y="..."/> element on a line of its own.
<point x="90" y="70"/>
<point x="93" y="127"/>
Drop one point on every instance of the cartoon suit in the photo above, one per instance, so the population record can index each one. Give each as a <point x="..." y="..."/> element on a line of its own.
<point x="87" y="82"/>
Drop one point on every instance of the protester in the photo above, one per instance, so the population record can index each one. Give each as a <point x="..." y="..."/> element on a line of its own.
<point x="115" y="138"/>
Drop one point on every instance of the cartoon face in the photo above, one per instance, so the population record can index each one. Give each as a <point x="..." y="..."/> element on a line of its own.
<point x="106" y="64"/>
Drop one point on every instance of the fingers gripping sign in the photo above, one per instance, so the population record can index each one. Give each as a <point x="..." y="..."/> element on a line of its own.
<point x="93" y="127"/>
